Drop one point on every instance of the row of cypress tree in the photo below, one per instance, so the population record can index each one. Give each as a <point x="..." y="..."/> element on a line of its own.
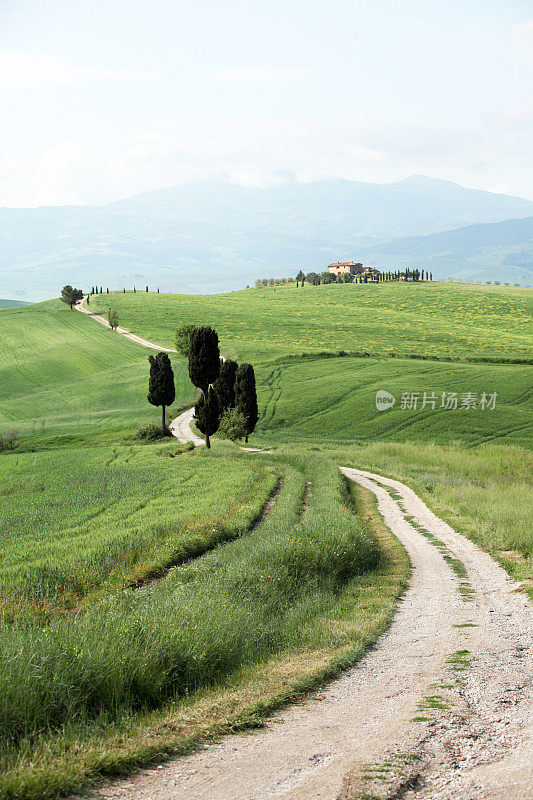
<point x="223" y="384"/>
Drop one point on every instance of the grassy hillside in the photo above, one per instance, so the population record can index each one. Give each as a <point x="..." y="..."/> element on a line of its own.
<point x="432" y="319"/>
<point x="333" y="399"/>
<point x="64" y="377"/>
<point x="118" y="675"/>
<point x="309" y="588"/>
<point x="140" y="508"/>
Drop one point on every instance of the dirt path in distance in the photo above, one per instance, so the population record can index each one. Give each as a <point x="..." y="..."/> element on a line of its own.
<point x="132" y="336"/>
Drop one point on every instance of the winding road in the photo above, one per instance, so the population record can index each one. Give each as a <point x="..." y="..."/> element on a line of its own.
<point x="440" y="708"/>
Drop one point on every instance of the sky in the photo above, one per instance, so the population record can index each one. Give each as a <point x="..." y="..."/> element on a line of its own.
<point x="102" y="99"/>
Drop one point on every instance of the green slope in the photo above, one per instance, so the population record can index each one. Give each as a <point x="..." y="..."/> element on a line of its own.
<point x="63" y="376"/>
<point x="333" y="399"/>
<point x="435" y="319"/>
<point x="140" y="508"/>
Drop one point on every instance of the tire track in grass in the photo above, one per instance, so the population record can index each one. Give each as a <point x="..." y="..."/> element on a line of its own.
<point x="163" y="572"/>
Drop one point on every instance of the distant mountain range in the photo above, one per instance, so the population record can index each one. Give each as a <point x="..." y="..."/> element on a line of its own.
<point x="11" y="304"/>
<point x="490" y="251"/>
<point x="216" y="236"/>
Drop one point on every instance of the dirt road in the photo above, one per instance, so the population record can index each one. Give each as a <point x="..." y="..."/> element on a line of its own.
<point x="180" y="427"/>
<point x="132" y="336"/>
<point x="468" y="688"/>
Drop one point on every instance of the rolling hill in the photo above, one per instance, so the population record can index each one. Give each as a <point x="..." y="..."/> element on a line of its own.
<point x="433" y="320"/>
<point x="64" y="378"/>
<point x="217" y="236"/>
<point x="127" y="632"/>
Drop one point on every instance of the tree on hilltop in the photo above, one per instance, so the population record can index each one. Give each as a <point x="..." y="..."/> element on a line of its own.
<point x="225" y="385"/>
<point x="246" y="397"/>
<point x="161" y="389"/>
<point x="71" y="296"/>
<point x="207" y="414"/>
<point x="204" y="358"/>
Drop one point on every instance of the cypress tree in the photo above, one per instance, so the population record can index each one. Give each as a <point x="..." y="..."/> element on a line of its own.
<point x="161" y="389"/>
<point x="225" y="385"/>
<point x="246" y="396"/>
<point x="207" y="414"/>
<point x="204" y="357"/>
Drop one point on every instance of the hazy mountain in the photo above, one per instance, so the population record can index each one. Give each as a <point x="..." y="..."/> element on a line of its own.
<point x="491" y="251"/>
<point x="11" y="304"/>
<point x="216" y="236"/>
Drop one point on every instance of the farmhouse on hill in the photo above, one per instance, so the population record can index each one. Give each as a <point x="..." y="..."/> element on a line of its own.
<point x="352" y="267"/>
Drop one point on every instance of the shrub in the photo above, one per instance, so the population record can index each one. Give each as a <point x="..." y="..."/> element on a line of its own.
<point x="8" y="440"/>
<point x="232" y="425"/>
<point x="183" y="339"/>
<point x="152" y="432"/>
<point x="112" y="318"/>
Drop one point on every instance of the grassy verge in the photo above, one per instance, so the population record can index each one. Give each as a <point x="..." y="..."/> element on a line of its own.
<point x="214" y="647"/>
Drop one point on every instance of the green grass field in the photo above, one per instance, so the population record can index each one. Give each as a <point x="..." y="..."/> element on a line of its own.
<point x="119" y="675"/>
<point x="432" y="319"/>
<point x="316" y="585"/>
<point x="333" y="399"/>
<point x="64" y="377"/>
<point x="78" y="521"/>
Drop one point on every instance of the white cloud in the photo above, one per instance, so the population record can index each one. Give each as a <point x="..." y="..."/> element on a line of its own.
<point x="149" y="144"/>
<point x="501" y="188"/>
<point x="37" y="176"/>
<point x="522" y="38"/>
<point x="261" y="74"/>
<point x="22" y="72"/>
<point x="256" y="151"/>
